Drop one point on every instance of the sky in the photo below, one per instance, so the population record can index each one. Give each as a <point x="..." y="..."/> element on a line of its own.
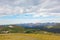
<point x="29" y="11"/>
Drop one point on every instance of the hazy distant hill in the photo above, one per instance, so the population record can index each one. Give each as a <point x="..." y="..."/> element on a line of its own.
<point x="31" y="27"/>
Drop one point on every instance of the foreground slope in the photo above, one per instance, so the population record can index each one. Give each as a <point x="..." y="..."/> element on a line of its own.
<point x="18" y="36"/>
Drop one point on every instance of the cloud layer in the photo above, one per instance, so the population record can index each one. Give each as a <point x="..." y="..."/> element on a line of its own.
<point x="39" y="7"/>
<point x="16" y="11"/>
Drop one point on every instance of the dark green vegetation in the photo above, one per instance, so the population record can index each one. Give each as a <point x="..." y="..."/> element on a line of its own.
<point x="18" y="29"/>
<point x="13" y="29"/>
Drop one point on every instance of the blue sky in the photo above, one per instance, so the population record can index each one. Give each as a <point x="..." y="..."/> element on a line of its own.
<point x="29" y="11"/>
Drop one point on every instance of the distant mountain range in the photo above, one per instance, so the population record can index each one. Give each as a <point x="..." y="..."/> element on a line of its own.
<point x="37" y="24"/>
<point x="50" y="27"/>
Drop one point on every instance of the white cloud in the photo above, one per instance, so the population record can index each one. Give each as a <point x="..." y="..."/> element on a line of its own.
<point x="18" y="21"/>
<point x="42" y="8"/>
<point x="8" y="10"/>
<point x="42" y="14"/>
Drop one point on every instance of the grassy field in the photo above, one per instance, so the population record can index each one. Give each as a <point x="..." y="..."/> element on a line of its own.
<point x="18" y="36"/>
